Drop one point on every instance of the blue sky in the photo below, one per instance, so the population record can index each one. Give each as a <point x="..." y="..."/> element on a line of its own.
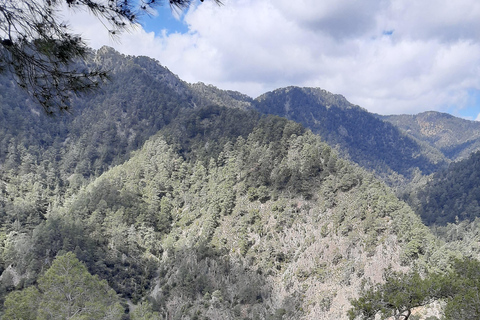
<point x="388" y="56"/>
<point x="470" y="113"/>
<point x="472" y="109"/>
<point x="167" y="20"/>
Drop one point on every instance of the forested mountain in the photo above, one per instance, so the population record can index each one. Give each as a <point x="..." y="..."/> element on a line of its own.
<point x="450" y="195"/>
<point x="103" y="128"/>
<point x="180" y="201"/>
<point x="358" y="135"/>
<point x="141" y="98"/>
<point x="269" y="223"/>
<point x="456" y="138"/>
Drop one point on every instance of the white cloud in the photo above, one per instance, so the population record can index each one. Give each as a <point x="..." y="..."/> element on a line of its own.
<point x="440" y="19"/>
<point x="391" y="56"/>
<point x="338" y="18"/>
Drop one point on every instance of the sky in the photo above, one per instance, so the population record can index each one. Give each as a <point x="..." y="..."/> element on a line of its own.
<point x="387" y="56"/>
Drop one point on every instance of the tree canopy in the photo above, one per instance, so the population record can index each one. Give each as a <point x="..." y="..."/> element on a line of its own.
<point x="398" y="296"/>
<point x="66" y="291"/>
<point x="401" y="293"/>
<point x="45" y="57"/>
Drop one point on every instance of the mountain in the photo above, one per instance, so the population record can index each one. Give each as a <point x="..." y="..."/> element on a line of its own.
<point x="450" y="195"/>
<point x="102" y="129"/>
<point x="191" y="203"/>
<point x="269" y="224"/>
<point x="358" y="135"/>
<point x="456" y="138"/>
<point x="396" y="153"/>
<point x="211" y="95"/>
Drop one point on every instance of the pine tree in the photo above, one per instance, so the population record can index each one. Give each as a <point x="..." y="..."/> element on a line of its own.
<point x="44" y="57"/>
<point x="66" y="291"/>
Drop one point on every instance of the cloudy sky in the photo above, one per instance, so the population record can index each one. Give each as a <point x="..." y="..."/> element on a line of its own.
<point x="388" y="56"/>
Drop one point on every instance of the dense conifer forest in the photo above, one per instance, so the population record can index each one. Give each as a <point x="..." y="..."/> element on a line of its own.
<point x="169" y="200"/>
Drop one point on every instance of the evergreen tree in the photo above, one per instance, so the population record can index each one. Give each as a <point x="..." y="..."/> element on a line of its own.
<point x="398" y="296"/>
<point x="144" y="312"/>
<point x="401" y="293"/>
<point x="465" y="304"/>
<point x="42" y="54"/>
<point x="66" y="291"/>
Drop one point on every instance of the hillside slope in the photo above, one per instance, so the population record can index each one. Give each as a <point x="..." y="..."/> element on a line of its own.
<point x="450" y="195"/>
<point x="184" y="197"/>
<point x="269" y="223"/>
<point x="456" y="138"/>
<point x="357" y="134"/>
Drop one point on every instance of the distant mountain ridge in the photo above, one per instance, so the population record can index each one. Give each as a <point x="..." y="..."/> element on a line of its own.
<point x="456" y="138"/>
<point x="394" y="147"/>
<point x="358" y="135"/>
<point x="388" y="145"/>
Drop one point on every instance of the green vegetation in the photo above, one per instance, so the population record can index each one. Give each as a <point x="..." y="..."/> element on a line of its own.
<point x="455" y="137"/>
<point x="360" y="136"/>
<point x="65" y="291"/>
<point x="451" y="195"/>
<point x="397" y="296"/>
<point x="47" y="60"/>
<point x="401" y="293"/>
<point x="191" y="210"/>
<point x="188" y="226"/>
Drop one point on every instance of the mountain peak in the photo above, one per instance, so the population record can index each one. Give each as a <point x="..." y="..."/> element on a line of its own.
<point x="313" y="94"/>
<point x="209" y="94"/>
<point x="456" y="137"/>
